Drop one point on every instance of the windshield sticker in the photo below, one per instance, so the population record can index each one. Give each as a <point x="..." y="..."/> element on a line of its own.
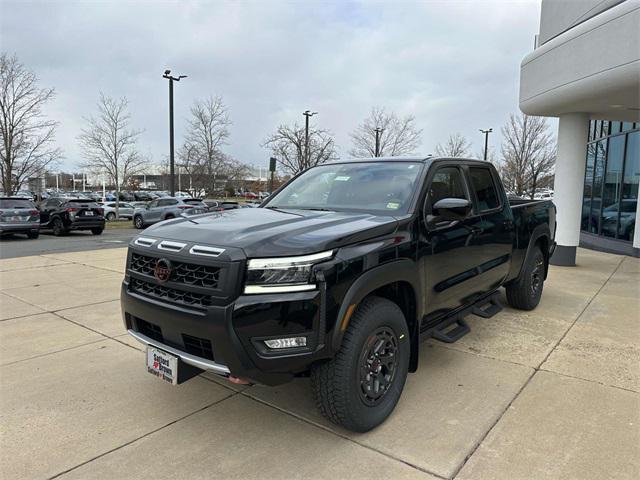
<point x="342" y="179"/>
<point x="393" y="205"/>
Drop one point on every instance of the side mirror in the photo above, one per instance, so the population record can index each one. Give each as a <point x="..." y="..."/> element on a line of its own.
<point x="452" y="208"/>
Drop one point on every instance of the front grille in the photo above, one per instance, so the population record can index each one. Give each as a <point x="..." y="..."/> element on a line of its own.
<point x="186" y="273"/>
<point x="200" y="347"/>
<point x="151" y="330"/>
<point x="167" y="294"/>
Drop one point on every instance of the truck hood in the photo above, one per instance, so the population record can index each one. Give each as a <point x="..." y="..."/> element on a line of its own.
<point x="262" y="232"/>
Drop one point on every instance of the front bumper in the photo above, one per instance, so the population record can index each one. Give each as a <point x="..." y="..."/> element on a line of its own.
<point x="228" y="340"/>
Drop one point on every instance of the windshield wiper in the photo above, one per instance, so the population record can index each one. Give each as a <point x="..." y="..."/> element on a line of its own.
<point x="317" y="209"/>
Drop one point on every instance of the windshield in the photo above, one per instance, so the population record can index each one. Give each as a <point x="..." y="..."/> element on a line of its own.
<point x="385" y="187"/>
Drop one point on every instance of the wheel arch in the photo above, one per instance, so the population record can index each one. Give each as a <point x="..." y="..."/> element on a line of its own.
<point x="397" y="281"/>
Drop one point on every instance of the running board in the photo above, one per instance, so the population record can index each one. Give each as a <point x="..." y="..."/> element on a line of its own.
<point x="451" y="331"/>
<point x="489" y="308"/>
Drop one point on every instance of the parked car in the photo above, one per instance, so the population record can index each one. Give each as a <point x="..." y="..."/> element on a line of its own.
<point x="126" y="210"/>
<point x="165" y="208"/>
<point x="250" y="195"/>
<point x="19" y="215"/>
<point x="263" y="195"/>
<point x="338" y="276"/>
<point x="146" y="196"/>
<point x="139" y="204"/>
<point x="220" y="205"/>
<point x="61" y="215"/>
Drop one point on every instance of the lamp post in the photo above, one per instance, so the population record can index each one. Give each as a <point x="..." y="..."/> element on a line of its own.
<point x="486" y="141"/>
<point x="167" y="75"/>
<point x="378" y="131"/>
<point x="307" y="114"/>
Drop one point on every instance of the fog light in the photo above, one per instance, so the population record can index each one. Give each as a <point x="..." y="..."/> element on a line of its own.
<point x="290" y="342"/>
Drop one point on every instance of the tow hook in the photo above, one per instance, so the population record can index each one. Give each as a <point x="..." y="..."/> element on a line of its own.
<point x="238" y="380"/>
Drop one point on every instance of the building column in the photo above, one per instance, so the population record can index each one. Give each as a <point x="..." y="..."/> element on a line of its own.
<point x="636" y="232"/>
<point x="573" y="132"/>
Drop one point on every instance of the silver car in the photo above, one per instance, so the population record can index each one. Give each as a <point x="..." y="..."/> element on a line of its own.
<point x="165" y="208"/>
<point x="19" y="215"/>
<point x="126" y="210"/>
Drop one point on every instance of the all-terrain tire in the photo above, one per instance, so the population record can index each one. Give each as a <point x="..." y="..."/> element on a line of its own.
<point x="525" y="292"/>
<point x="340" y="384"/>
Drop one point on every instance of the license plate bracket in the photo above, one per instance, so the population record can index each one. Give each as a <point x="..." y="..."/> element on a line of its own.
<point x="162" y="365"/>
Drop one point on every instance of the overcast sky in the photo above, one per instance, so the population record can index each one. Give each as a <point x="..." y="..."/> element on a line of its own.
<point x="454" y="65"/>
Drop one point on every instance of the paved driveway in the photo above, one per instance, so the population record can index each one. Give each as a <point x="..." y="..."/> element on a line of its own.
<point x="546" y="394"/>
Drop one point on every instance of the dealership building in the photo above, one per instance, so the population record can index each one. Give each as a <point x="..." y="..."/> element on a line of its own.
<point x="585" y="70"/>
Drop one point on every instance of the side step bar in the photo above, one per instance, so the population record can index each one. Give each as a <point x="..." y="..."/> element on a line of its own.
<point x="450" y="335"/>
<point x="455" y="327"/>
<point x="489" y="308"/>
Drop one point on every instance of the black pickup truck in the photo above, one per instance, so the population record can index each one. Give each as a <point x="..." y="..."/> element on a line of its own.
<point x="339" y="275"/>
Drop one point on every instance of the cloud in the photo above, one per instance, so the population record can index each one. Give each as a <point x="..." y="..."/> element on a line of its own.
<point x="454" y="65"/>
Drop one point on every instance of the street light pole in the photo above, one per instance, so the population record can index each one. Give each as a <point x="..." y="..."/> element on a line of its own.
<point x="486" y="141"/>
<point x="167" y="75"/>
<point x="378" y="131"/>
<point x="307" y="114"/>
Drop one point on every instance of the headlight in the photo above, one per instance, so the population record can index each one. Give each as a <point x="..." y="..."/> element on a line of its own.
<point x="284" y="274"/>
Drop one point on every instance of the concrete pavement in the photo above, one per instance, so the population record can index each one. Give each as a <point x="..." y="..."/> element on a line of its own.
<point x="552" y="393"/>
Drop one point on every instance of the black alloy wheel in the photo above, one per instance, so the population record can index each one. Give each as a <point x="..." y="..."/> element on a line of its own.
<point x="378" y="365"/>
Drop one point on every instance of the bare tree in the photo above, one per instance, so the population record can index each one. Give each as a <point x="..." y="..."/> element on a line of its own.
<point x="27" y="136"/>
<point x="528" y="154"/>
<point x="399" y="136"/>
<point x="287" y="145"/>
<point x="456" y="146"/>
<point x="201" y="154"/>
<point x="109" y="144"/>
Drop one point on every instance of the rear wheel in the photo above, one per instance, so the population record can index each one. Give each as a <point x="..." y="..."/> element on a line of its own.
<point x="359" y="388"/>
<point x="97" y="230"/>
<point x="526" y="291"/>
<point x="33" y="235"/>
<point x="58" y="227"/>
<point x="138" y="222"/>
<point x="111" y="216"/>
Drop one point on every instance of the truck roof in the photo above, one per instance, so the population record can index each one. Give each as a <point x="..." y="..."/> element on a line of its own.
<point x="424" y="159"/>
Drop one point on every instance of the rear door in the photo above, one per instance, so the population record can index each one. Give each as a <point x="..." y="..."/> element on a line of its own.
<point x="47" y="208"/>
<point x="495" y="228"/>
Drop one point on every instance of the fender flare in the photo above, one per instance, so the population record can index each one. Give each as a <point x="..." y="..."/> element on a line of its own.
<point x="538" y="232"/>
<point x="403" y="270"/>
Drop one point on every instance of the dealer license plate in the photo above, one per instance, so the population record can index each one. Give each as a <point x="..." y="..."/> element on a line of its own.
<point x="162" y="365"/>
<point x="88" y="214"/>
<point x="17" y="219"/>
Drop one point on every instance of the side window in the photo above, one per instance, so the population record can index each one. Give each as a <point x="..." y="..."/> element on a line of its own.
<point x="446" y="183"/>
<point x="153" y="204"/>
<point x="483" y="184"/>
<point x="52" y="203"/>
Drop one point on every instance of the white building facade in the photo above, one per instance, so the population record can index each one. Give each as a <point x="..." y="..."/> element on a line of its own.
<point x="585" y="70"/>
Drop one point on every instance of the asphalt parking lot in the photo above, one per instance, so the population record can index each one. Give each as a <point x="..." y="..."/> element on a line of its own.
<point x="19" y="246"/>
<point x="548" y="394"/>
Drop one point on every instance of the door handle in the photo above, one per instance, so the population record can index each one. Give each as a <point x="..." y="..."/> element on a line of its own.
<point x="476" y="230"/>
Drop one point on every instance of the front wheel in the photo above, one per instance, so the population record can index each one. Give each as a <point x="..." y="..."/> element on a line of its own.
<point x="359" y="388"/>
<point x="138" y="222"/>
<point x="525" y="292"/>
